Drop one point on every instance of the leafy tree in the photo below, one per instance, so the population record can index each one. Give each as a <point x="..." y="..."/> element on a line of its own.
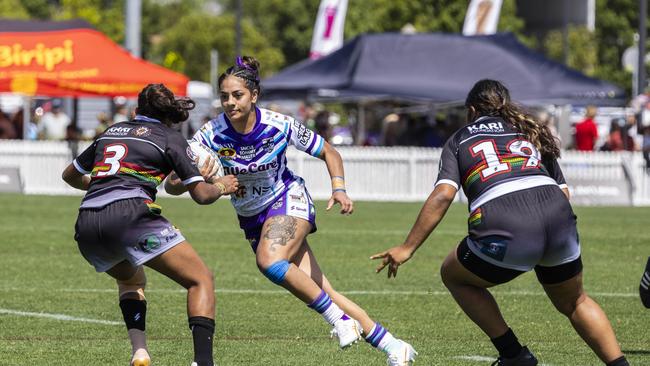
<point x="106" y="16"/>
<point x="13" y="9"/>
<point x="583" y="48"/>
<point x="185" y="47"/>
<point x="39" y="9"/>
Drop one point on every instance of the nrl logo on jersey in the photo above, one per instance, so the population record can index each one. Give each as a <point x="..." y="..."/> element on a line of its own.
<point x="485" y="127"/>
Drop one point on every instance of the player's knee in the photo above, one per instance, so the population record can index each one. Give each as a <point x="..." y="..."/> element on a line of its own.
<point x="568" y="306"/>
<point x="275" y="271"/>
<point x="133" y="288"/>
<point x="446" y="274"/>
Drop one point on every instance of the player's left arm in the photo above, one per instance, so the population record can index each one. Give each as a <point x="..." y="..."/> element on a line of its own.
<point x="334" y="164"/>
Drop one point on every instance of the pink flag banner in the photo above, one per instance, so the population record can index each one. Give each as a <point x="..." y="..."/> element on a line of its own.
<point x="328" y="30"/>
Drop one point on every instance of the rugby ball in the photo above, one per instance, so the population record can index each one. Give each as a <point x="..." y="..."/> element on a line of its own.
<point x="202" y="152"/>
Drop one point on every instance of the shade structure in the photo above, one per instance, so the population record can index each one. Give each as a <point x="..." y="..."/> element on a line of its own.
<point x="438" y="68"/>
<point x="72" y="59"/>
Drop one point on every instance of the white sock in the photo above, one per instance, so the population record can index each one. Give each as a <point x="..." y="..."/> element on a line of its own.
<point x="388" y="343"/>
<point x="333" y="313"/>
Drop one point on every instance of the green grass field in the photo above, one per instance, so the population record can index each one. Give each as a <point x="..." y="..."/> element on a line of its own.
<point x="42" y="274"/>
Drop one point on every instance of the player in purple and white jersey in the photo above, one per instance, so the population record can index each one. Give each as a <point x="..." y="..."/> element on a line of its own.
<point x="520" y="219"/>
<point x="274" y="207"/>
<point x="119" y="227"/>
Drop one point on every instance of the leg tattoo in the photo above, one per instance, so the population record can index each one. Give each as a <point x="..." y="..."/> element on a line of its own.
<point x="281" y="230"/>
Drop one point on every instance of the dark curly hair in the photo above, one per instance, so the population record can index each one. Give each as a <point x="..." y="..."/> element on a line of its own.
<point x="156" y="101"/>
<point x="247" y="69"/>
<point x="492" y="98"/>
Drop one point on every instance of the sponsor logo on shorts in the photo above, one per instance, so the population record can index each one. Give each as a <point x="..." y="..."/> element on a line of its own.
<point x="149" y="242"/>
<point x="296" y="208"/>
<point x="298" y="198"/>
<point x="277" y="204"/>
<point x="493" y="248"/>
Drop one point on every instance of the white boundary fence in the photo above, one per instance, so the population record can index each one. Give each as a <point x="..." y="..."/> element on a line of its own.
<point x="372" y="173"/>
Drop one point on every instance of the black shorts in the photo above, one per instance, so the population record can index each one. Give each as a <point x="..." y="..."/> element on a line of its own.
<point x="512" y="234"/>
<point x="130" y="229"/>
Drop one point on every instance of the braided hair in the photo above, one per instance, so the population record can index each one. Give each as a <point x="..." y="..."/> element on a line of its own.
<point x="247" y="69"/>
<point x="156" y="101"/>
<point x="492" y="98"/>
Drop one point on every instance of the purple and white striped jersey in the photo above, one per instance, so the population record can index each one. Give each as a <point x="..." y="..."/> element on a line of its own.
<point x="258" y="158"/>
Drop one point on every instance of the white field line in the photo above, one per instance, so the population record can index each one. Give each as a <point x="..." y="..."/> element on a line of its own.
<point x="349" y="292"/>
<point x="483" y="358"/>
<point x="57" y="317"/>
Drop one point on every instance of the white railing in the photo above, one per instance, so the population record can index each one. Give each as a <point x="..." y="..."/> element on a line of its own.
<point x="372" y="173"/>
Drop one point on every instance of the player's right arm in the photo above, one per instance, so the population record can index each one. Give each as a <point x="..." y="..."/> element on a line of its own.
<point x="75" y="179"/>
<point x="431" y="214"/>
<point x="186" y="176"/>
<point x="76" y="173"/>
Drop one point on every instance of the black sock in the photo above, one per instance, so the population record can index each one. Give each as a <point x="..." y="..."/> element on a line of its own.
<point x="134" y="313"/>
<point x="621" y="361"/>
<point x="507" y="344"/>
<point x="202" y="332"/>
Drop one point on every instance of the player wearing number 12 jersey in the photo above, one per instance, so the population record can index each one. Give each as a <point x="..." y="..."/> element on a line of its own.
<point x="520" y="219"/>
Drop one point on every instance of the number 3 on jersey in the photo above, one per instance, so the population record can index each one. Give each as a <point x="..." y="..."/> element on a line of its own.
<point x="113" y="155"/>
<point x="496" y="164"/>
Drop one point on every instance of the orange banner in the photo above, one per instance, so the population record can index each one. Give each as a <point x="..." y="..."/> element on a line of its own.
<point x="76" y="62"/>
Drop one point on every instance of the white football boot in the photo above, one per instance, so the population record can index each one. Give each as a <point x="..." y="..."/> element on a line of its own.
<point x="348" y="331"/>
<point x="140" y="358"/>
<point x="402" y="356"/>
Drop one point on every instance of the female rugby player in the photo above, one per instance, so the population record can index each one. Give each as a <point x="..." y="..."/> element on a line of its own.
<point x="120" y="228"/>
<point x="520" y="219"/>
<point x="274" y="208"/>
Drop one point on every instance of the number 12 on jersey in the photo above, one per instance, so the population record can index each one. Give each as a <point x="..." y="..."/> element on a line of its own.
<point x="497" y="164"/>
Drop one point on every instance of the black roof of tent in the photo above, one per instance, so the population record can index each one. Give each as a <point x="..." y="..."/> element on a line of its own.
<point x="438" y="68"/>
<point x="15" y="25"/>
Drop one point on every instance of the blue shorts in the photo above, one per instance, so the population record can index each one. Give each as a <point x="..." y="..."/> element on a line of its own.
<point x="130" y="229"/>
<point x="295" y="202"/>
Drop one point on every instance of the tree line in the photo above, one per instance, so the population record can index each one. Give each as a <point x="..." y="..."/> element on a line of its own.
<point x="179" y="34"/>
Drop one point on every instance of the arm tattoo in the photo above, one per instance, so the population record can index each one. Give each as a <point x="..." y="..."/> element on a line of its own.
<point x="281" y="230"/>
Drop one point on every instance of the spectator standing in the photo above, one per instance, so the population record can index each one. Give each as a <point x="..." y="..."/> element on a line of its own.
<point x="646" y="148"/>
<point x="121" y="114"/>
<point x="586" y="131"/>
<point x="54" y="124"/>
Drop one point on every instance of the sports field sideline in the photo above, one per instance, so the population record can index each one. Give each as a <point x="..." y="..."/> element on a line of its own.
<point x="54" y="310"/>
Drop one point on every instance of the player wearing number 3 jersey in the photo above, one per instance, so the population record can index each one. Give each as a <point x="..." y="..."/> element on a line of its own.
<point x="119" y="228"/>
<point x="520" y="219"/>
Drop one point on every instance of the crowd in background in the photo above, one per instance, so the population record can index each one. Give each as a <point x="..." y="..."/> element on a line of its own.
<point x="384" y="124"/>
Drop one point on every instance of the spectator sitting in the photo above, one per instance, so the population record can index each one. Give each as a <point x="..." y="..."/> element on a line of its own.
<point x="586" y="131"/>
<point x="615" y="139"/>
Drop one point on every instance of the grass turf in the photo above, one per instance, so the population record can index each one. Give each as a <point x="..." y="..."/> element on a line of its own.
<point x="260" y="324"/>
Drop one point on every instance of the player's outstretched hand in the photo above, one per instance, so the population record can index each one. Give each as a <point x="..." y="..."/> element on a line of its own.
<point x="340" y="197"/>
<point x="393" y="258"/>
<point x="229" y="182"/>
